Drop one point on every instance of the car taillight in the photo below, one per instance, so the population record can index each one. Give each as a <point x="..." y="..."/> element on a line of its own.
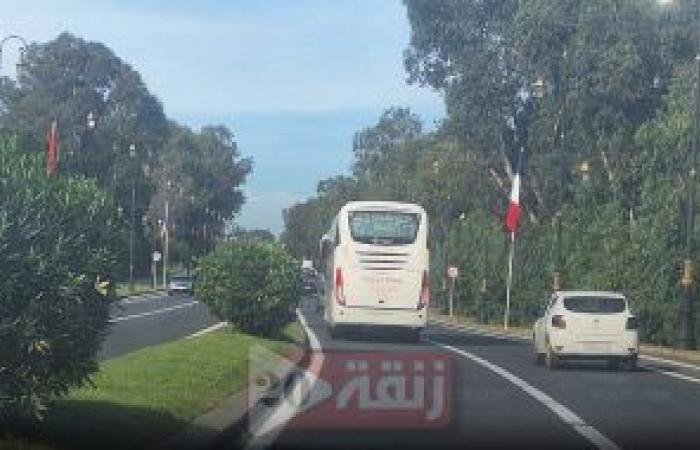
<point x="424" y="298"/>
<point x="558" y="322"/>
<point x="631" y="323"/>
<point x="339" y="294"/>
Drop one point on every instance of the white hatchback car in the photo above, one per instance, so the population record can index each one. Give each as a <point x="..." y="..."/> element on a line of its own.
<point x="587" y="325"/>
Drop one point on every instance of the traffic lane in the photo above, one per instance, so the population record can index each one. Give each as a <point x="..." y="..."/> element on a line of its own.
<point x="486" y="410"/>
<point x="145" y="303"/>
<point x="641" y="409"/>
<point x="161" y="322"/>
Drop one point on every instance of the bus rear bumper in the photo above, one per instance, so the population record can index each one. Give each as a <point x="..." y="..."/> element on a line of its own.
<point x="407" y="318"/>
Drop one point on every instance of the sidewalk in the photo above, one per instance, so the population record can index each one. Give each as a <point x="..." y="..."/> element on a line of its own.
<point x="525" y="333"/>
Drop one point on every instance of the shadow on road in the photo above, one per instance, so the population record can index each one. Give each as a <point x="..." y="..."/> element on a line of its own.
<point x="83" y="424"/>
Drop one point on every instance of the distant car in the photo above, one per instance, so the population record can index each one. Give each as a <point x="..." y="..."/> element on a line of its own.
<point x="309" y="281"/>
<point x="180" y="285"/>
<point x="587" y="325"/>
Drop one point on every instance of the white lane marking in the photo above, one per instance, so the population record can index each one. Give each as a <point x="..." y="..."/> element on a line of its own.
<point x="265" y="434"/>
<point x="141" y="298"/>
<point x="644" y="357"/>
<point x="565" y="414"/>
<point x="154" y="312"/>
<point x="668" y="361"/>
<point x="481" y="332"/>
<point x="214" y="327"/>
<point x="680" y="376"/>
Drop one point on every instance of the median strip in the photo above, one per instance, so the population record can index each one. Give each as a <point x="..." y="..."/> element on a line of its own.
<point x="141" y="399"/>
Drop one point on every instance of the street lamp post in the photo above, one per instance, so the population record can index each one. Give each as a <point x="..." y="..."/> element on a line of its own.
<point x="686" y="329"/>
<point x="686" y="325"/>
<point x="166" y="246"/>
<point x="132" y="228"/>
<point x="22" y="51"/>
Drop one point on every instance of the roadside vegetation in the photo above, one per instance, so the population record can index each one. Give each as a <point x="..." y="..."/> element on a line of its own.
<point x="140" y="399"/>
<point x="58" y="237"/>
<point x="599" y="94"/>
<point x="253" y="284"/>
<point x="66" y="225"/>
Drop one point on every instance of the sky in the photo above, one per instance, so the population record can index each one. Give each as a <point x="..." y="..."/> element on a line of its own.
<point x="293" y="79"/>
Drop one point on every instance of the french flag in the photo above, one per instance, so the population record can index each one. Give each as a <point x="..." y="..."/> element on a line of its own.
<point x="513" y="212"/>
<point x="52" y="148"/>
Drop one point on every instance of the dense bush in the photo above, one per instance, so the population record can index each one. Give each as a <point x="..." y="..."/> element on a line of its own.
<point x="55" y="239"/>
<point x="252" y="284"/>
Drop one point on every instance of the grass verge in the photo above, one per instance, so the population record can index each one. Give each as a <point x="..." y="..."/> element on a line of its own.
<point x="143" y="397"/>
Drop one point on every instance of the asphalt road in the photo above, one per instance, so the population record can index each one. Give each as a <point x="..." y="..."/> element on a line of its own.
<point x="501" y="399"/>
<point x="152" y="319"/>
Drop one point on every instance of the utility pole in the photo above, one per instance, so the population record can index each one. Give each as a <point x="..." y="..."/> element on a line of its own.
<point x="686" y="329"/>
<point x="132" y="228"/>
<point x="166" y="246"/>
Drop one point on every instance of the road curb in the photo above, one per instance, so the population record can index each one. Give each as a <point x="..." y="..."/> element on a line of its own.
<point x="204" y="431"/>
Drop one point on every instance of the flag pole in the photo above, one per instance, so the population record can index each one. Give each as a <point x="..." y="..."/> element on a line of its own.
<point x="509" y="281"/>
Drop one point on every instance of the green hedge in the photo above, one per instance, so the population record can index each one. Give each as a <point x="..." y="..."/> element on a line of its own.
<point x="56" y="237"/>
<point x="254" y="285"/>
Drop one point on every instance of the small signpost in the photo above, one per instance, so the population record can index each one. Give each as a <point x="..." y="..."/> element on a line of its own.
<point x="156" y="257"/>
<point x="452" y="274"/>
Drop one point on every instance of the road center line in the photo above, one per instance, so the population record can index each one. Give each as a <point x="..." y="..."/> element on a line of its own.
<point x="154" y="312"/>
<point x="565" y="414"/>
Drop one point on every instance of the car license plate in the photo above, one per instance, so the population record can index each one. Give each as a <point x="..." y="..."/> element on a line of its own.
<point x="597" y="347"/>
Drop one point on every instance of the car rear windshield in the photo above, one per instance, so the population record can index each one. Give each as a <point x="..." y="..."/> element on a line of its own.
<point x="383" y="227"/>
<point x="594" y="304"/>
<point x="181" y="279"/>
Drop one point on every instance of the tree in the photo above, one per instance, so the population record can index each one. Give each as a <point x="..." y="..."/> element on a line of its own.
<point x="132" y="147"/>
<point x="58" y="237"/>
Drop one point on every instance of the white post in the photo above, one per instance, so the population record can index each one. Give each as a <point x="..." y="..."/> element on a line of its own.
<point x="165" y="247"/>
<point x="509" y="281"/>
<point x="452" y="291"/>
<point x="153" y="273"/>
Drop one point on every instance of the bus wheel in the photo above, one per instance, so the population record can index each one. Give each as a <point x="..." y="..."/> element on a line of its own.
<point x="333" y="332"/>
<point x="414" y="336"/>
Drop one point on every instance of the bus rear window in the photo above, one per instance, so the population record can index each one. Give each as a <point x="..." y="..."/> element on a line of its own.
<point x="594" y="304"/>
<point x="383" y="227"/>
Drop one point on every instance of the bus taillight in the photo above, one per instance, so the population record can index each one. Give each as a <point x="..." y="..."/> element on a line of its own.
<point x="424" y="298"/>
<point x="339" y="294"/>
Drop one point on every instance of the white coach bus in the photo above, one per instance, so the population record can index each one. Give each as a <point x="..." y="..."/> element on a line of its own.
<point x="375" y="259"/>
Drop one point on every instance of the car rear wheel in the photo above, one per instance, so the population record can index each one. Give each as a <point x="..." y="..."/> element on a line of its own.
<point x="551" y="360"/>
<point x="630" y="364"/>
<point x="539" y="359"/>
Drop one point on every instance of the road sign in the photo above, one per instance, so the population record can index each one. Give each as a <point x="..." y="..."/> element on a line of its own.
<point x="452" y="272"/>
<point x="156" y="256"/>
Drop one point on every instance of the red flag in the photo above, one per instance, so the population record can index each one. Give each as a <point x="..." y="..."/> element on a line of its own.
<point x="513" y="212"/>
<point x="52" y="148"/>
